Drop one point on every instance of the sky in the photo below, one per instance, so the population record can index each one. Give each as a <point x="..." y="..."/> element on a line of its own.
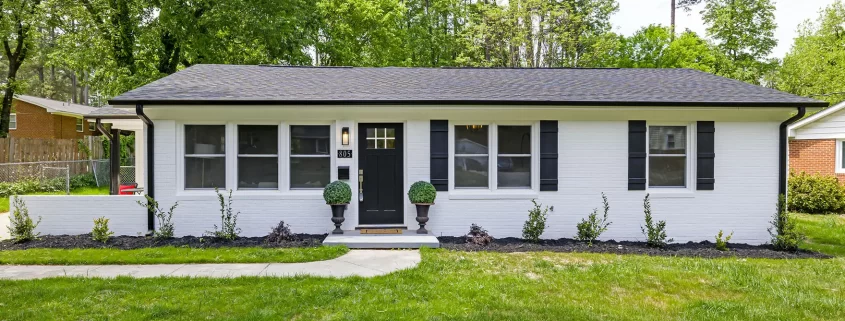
<point x="635" y="14"/>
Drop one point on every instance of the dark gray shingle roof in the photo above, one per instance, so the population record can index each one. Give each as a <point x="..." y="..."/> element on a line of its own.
<point x="110" y="112"/>
<point x="233" y="84"/>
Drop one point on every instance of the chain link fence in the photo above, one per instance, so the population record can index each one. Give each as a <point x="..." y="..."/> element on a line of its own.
<point x="15" y="172"/>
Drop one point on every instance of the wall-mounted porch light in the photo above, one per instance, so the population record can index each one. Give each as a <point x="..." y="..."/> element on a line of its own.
<point x="344" y="136"/>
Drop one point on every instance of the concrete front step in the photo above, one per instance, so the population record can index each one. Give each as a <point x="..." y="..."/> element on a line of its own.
<point x="407" y="240"/>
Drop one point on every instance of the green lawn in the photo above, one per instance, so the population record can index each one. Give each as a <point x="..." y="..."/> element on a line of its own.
<point x="825" y="233"/>
<point x="465" y="286"/>
<point x="171" y="255"/>
<point x="4" y="201"/>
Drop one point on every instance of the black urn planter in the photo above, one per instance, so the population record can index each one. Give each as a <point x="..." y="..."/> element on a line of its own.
<point x="422" y="217"/>
<point x="337" y="217"/>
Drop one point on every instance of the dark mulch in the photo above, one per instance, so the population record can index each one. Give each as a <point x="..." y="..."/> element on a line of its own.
<point x="137" y="242"/>
<point x="704" y="249"/>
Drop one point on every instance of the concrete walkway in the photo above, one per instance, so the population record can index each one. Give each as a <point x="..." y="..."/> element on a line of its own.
<point x="4" y="226"/>
<point x="364" y="263"/>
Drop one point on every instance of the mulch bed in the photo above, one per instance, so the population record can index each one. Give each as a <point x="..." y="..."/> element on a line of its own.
<point x="704" y="249"/>
<point x="137" y="242"/>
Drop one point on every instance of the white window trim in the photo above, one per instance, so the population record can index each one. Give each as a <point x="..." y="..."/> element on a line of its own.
<point x="239" y="155"/>
<point x="283" y="192"/>
<point x="493" y="191"/>
<point x="15" y="115"/>
<point x="80" y="125"/>
<point x="837" y="164"/>
<point x="669" y="192"/>
<point x="331" y="156"/>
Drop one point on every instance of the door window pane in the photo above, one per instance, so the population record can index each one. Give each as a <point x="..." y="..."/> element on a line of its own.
<point x="381" y="138"/>
<point x="310" y="160"/>
<point x="471" y="171"/>
<point x="205" y="156"/>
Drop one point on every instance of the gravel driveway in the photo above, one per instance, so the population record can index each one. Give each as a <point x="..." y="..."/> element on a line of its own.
<point x="4" y="222"/>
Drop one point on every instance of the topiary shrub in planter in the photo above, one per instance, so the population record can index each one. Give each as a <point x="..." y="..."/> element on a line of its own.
<point x="422" y="195"/>
<point x="337" y="194"/>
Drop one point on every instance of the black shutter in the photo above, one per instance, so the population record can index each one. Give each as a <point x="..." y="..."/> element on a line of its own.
<point x="636" y="155"/>
<point x="705" y="178"/>
<point x="548" y="155"/>
<point x="439" y="154"/>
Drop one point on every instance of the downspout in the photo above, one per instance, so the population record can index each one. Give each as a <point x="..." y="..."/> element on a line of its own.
<point x="784" y="149"/>
<point x="150" y="158"/>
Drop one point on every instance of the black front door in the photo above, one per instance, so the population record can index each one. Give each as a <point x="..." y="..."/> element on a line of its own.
<point x="380" y="164"/>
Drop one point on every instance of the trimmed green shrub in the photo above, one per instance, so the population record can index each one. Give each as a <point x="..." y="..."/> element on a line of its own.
<point x="101" y="232"/>
<point x="165" y="219"/>
<point x="422" y="192"/>
<point x="815" y="194"/>
<point x="536" y="223"/>
<point x="337" y="193"/>
<point x="655" y="233"/>
<point x="784" y="230"/>
<point x="722" y="240"/>
<point x="21" y="227"/>
<point x="591" y="228"/>
<point x="228" y="229"/>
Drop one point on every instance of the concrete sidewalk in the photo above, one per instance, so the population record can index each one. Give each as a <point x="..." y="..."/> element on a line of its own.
<point x="4" y="226"/>
<point x="363" y="263"/>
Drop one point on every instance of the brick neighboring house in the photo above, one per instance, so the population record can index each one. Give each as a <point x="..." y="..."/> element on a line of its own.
<point x="816" y="143"/>
<point x="34" y="117"/>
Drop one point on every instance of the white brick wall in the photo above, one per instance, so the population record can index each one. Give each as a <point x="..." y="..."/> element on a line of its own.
<point x="593" y="159"/>
<point x="63" y="214"/>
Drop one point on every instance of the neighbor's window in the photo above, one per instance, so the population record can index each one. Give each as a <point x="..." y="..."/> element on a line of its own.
<point x="80" y="125"/>
<point x="667" y="156"/>
<point x="472" y="156"/>
<point x="310" y="161"/>
<point x="205" y="156"/>
<point x="514" y="160"/>
<point x="840" y="156"/>
<point x="13" y="121"/>
<point x="258" y="156"/>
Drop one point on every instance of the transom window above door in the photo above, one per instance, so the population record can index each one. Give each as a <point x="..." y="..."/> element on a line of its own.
<point x="381" y="138"/>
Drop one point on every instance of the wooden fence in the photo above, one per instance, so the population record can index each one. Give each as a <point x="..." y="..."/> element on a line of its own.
<point x="27" y="150"/>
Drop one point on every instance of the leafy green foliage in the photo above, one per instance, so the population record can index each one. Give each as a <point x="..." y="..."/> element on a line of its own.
<point x="815" y="194"/>
<point x="784" y="229"/>
<point x="228" y="229"/>
<point x="536" y="223"/>
<point x="29" y="186"/>
<point x="722" y="240"/>
<point x="655" y="233"/>
<point x="422" y="192"/>
<point x="101" y="232"/>
<point x="744" y="31"/>
<point x="813" y="65"/>
<point x="165" y="218"/>
<point x="21" y="226"/>
<point x="337" y="193"/>
<point x="478" y="235"/>
<point x="279" y="234"/>
<point x="591" y="228"/>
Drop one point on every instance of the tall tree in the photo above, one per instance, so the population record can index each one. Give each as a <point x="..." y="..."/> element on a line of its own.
<point x="18" y="23"/>
<point x="653" y="47"/>
<point x="744" y="33"/>
<point x="816" y="63"/>
<point x="686" y="5"/>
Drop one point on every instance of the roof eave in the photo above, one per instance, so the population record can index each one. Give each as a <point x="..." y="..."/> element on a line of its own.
<point x="468" y="102"/>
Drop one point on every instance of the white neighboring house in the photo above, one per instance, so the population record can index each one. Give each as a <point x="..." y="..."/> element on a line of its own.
<point x="705" y="148"/>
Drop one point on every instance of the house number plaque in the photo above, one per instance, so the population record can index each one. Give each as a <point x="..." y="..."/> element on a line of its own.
<point x="344" y="153"/>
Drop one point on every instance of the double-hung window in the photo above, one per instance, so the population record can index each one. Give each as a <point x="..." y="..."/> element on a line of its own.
<point x="80" y="125"/>
<point x="667" y="156"/>
<point x="840" y="157"/>
<point x="13" y="121"/>
<point x="509" y="150"/>
<point x="205" y="156"/>
<point x="258" y="156"/>
<point x="310" y="161"/>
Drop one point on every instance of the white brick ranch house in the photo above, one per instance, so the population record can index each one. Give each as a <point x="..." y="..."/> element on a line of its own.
<point x="709" y="150"/>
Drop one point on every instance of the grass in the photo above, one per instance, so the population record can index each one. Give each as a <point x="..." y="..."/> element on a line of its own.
<point x="170" y="255"/>
<point x="825" y="233"/>
<point x="465" y="286"/>
<point x="4" y="201"/>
